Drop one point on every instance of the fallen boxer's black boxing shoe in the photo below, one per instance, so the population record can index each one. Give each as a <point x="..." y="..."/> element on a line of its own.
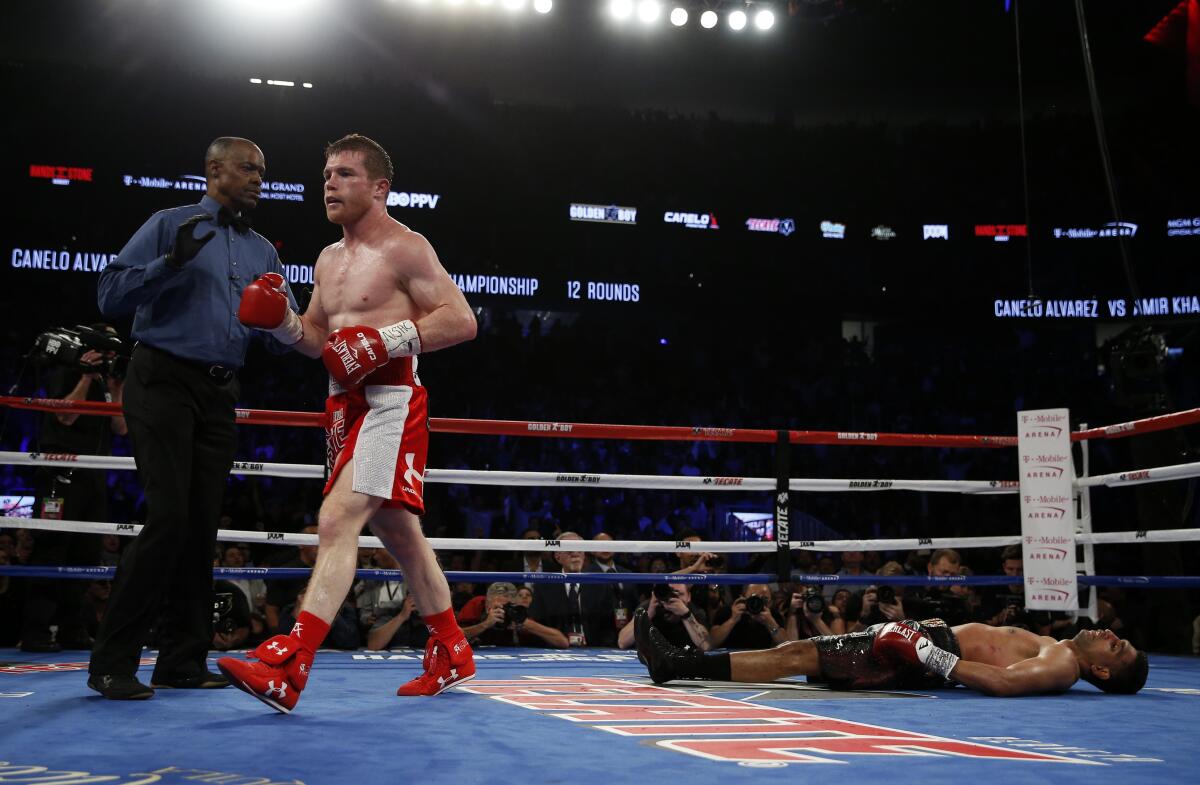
<point x="664" y="660"/>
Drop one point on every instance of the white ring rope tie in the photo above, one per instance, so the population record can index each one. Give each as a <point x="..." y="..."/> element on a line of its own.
<point x="627" y="546"/>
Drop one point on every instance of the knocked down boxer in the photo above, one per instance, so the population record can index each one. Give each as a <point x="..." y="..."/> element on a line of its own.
<point x="998" y="661"/>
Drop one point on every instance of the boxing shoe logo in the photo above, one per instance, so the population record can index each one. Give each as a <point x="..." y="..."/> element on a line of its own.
<point x="275" y="647"/>
<point x="303" y="669"/>
<point x="297" y="628"/>
<point x="279" y="692"/>
<point x="458" y="647"/>
<point x="442" y="680"/>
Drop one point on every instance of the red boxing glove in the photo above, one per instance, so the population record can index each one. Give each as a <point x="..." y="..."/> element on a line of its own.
<point x="265" y="306"/>
<point x="352" y="353"/>
<point x="897" y="641"/>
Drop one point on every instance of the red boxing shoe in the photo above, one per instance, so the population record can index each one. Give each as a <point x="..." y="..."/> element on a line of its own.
<point x="446" y="665"/>
<point x="284" y="663"/>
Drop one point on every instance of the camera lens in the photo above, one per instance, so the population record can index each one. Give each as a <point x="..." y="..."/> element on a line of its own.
<point x="755" y="604"/>
<point x="814" y="601"/>
<point x="663" y="592"/>
<point x="886" y="595"/>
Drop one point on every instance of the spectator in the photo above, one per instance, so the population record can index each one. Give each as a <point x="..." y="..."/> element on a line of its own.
<point x="750" y="623"/>
<point x="671" y="611"/>
<point x="377" y="599"/>
<point x="806" y="614"/>
<point x="584" y="612"/>
<point x="343" y="630"/>
<point x="283" y="592"/>
<point x="253" y="589"/>
<point x="625" y="597"/>
<point x="398" y="627"/>
<point x="524" y="596"/>
<point x="493" y="620"/>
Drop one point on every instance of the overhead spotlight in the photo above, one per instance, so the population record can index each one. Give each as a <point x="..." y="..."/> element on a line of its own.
<point x="485" y="3"/>
<point x="764" y="19"/>
<point x="543" y="6"/>
<point x="737" y="20"/>
<point x="514" y="5"/>
<point x="708" y="20"/>
<point x="455" y="3"/>
<point x="621" y="9"/>
<point x="679" y="16"/>
<point x="649" y="11"/>
<point x="307" y="85"/>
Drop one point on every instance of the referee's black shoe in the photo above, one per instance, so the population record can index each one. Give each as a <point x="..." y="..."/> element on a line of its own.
<point x="201" y="681"/>
<point x="119" y="688"/>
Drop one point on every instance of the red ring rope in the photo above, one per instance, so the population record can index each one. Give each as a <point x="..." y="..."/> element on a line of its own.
<point x="648" y="432"/>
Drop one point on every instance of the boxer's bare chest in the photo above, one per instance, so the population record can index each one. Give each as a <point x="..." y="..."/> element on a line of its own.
<point x="362" y="286"/>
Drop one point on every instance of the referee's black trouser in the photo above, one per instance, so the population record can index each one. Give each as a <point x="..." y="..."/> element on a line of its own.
<point x="181" y="425"/>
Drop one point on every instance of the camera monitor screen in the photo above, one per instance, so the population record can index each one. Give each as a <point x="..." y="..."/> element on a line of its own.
<point x="17" y="506"/>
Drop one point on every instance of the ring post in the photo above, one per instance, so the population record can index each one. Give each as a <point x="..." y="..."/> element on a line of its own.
<point x="783" y="555"/>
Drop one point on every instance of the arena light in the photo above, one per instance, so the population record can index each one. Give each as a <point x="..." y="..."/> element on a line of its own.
<point x="271" y="10"/>
<point x="649" y="11"/>
<point x="679" y="16"/>
<point x="764" y="19"/>
<point x="456" y="3"/>
<point x="737" y="20"/>
<point x="621" y="9"/>
<point x="543" y="6"/>
<point x="514" y="5"/>
<point x="708" y="20"/>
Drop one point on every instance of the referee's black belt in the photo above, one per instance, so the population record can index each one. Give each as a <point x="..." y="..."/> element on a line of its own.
<point x="221" y="374"/>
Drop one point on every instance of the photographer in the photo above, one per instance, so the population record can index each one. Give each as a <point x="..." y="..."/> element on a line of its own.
<point x="938" y="602"/>
<point x="808" y="615"/>
<point x="1004" y="606"/>
<point x="670" y="610"/>
<point x="79" y="373"/>
<point x="497" y="620"/>
<point x="750" y="623"/>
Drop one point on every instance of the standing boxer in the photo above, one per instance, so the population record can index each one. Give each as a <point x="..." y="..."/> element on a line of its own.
<point x="381" y="298"/>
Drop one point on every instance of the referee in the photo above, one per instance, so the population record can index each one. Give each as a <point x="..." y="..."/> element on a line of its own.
<point x="181" y="275"/>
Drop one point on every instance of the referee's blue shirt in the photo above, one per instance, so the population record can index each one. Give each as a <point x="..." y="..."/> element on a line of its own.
<point x="190" y="312"/>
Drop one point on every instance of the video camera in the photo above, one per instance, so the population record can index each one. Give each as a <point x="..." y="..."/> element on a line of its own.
<point x="223" y="612"/>
<point x="67" y="345"/>
<point x="938" y="603"/>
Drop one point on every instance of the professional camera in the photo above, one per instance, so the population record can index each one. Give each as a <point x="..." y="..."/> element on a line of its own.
<point x="940" y="604"/>
<point x="886" y="595"/>
<point x="755" y="605"/>
<point x="663" y="592"/>
<point x="515" y="614"/>
<point x="814" y="601"/>
<point x="715" y="561"/>
<point x="223" y="613"/>
<point x="67" y="345"/>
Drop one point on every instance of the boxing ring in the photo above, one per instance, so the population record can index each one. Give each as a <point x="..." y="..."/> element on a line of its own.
<point x="592" y="715"/>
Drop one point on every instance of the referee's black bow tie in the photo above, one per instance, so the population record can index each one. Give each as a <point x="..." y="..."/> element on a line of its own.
<point x="227" y="217"/>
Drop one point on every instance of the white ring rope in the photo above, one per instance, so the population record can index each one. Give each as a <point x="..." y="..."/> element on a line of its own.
<point x="627" y="546"/>
<point x="550" y="479"/>
<point x="1178" y="471"/>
